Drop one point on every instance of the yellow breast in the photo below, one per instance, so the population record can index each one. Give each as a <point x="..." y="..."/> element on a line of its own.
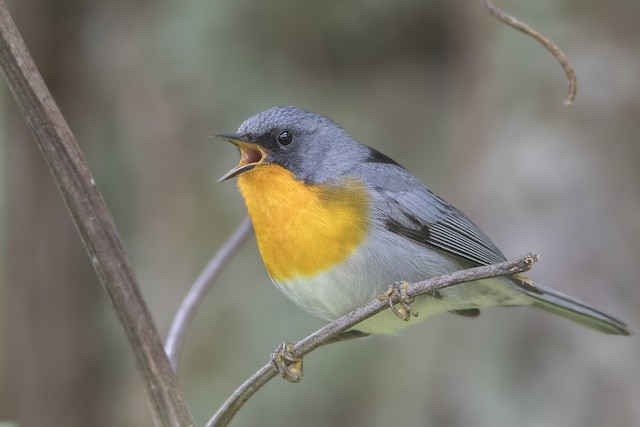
<point x="303" y="229"/>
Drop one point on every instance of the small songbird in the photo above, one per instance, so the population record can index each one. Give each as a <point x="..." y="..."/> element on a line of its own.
<point x="337" y="223"/>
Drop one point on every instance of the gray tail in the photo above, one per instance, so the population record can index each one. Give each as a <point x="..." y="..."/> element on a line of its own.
<point x="565" y="306"/>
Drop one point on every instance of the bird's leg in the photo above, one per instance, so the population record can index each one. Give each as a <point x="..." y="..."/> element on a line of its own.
<point x="351" y="334"/>
<point x="526" y="283"/>
<point x="397" y="293"/>
<point x="435" y="294"/>
<point x="289" y="367"/>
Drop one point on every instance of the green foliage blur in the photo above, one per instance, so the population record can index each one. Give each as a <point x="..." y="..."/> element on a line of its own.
<point x="471" y="107"/>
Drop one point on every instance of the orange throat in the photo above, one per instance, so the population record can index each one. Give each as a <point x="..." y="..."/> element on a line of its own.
<point x="303" y="229"/>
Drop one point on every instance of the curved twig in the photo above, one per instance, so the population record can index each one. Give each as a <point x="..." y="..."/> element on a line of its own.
<point x="186" y="311"/>
<point x="329" y="332"/>
<point x="546" y="42"/>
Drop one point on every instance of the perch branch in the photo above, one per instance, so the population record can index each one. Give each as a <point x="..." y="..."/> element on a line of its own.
<point x="94" y="223"/>
<point x="546" y="42"/>
<point x="199" y="289"/>
<point x="329" y="332"/>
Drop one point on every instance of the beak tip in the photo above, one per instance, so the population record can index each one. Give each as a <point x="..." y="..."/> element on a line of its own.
<point x="229" y="137"/>
<point x="239" y="141"/>
<point x="227" y="176"/>
<point x="236" y="171"/>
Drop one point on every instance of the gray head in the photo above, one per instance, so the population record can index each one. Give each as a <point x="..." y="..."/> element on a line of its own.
<point x="311" y="146"/>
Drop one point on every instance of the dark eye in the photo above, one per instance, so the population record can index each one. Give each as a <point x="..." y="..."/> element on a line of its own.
<point x="285" y="137"/>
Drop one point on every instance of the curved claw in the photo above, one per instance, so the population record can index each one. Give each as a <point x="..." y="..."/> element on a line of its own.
<point x="397" y="293"/>
<point x="289" y="367"/>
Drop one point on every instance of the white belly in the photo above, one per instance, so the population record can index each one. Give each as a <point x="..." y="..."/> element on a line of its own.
<point x="371" y="271"/>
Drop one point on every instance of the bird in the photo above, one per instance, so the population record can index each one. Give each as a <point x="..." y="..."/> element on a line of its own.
<point x="337" y="222"/>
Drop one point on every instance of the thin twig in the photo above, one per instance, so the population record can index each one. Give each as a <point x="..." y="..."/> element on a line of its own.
<point x="546" y="42"/>
<point x="233" y="404"/>
<point x="186" y="311"/>
<point x="94" y="223"/>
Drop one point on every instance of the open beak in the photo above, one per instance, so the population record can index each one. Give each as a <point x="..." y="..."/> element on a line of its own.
<point x="252" y="155"/>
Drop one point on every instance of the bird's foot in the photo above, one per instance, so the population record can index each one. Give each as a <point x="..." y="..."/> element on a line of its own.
<point x="526" y="283"/>
<point x="397" y="294"/>
<point x="289" y="367"/>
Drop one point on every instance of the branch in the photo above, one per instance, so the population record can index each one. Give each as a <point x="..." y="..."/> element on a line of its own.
<point x="546" y="42"/>
<point x="94" y="223"/>
<point x="199" y="289"/>
<point x="331" y="331"/>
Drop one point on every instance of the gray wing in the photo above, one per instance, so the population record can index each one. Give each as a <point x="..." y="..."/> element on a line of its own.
<point x="451" y="232"/>
<point x="408" y="208"/>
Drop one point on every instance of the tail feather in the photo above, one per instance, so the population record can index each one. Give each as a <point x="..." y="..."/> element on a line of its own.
<point x="565" y="306"/>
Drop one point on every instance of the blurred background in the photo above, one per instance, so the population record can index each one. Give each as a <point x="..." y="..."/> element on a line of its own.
<point x="470" y="106"/>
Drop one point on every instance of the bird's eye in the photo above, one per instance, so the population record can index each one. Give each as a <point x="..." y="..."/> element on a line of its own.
<point x="285" y="137"/>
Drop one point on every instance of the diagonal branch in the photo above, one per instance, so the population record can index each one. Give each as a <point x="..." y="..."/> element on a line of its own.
<point x="94" y="223"/>
<point x="186" y="311"/>
<point x="546" y="42"/>
<point x="331" y="331"/>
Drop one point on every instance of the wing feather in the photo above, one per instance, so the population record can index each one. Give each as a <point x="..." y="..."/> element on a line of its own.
<point x="408" y="208"/>
<point x="427" y="219"/>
